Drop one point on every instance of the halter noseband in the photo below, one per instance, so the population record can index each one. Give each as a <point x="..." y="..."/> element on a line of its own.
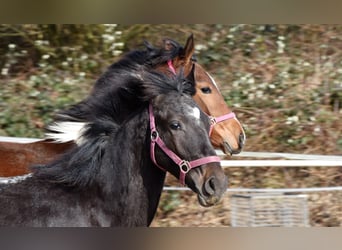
<point x="184" y="165"/>
<point x="213" y="120"/>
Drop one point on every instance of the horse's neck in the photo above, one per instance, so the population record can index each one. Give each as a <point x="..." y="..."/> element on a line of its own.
<point x="140" y="179"/>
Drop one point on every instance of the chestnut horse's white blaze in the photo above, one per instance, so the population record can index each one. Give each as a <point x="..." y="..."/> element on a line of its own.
<point x="218" y="89"/>
<point x="213" y="81"/>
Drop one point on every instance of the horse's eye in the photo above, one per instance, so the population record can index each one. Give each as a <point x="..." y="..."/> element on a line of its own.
<point x="175" y="125"/>
<point x="206" y="90"/>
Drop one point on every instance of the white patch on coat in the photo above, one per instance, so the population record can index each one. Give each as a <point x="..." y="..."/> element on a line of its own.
<point x="66" y="131"/>
<point x="196" y="113"/>
<point x="193" y="112"/>
<point x="14" y="179"/>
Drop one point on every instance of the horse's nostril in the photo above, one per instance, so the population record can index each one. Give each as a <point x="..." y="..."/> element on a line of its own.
<point x="241" y="140"/>
<point x="210" y="186"/>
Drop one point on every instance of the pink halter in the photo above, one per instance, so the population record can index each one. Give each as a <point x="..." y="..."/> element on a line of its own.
<point x="169" y="63"/>
<point x="184" y="165"/>
<point x="213" y="119"/>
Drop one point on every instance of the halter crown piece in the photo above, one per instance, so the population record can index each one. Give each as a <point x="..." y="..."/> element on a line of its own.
<point x="169" y="63"/>
<point x="184" y="165"/>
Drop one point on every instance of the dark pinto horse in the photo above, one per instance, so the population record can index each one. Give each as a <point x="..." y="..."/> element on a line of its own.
<point x="227" y="133"/>
<point x="115" y="175"/>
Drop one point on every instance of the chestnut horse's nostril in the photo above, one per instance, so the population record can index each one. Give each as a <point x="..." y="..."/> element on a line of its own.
<point x="241" y="140"/>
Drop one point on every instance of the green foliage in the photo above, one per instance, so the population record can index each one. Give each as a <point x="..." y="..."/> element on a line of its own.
<point x="47" y="67"/>
<point x="282" y="80"/>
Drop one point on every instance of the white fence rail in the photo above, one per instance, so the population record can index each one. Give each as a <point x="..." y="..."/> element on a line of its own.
<point x="267" y="190"/>
<point x="289" y="160"/>
<point x="292" y="160"/>
<point x="281" y="163"/>
<point x="285" y="155"/>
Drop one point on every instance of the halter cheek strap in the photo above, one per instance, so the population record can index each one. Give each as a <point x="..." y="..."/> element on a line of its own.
<point x="184" y="165"/>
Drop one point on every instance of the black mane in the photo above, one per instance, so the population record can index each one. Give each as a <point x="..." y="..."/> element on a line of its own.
<point x="155" y="83"/>
<point x="161" y="55"/>
<point x="146" y="59"/>
<point x="79" y="166"/>
<point x="121" y="84"/>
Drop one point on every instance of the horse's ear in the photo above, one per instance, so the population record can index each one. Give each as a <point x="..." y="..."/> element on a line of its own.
<point x="191" y="76"/>
<point x="188" y="50"/>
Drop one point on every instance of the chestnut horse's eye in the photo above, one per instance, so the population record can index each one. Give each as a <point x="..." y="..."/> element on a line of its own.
<point x="175" y="125"/>
<point x="206" y="90"/>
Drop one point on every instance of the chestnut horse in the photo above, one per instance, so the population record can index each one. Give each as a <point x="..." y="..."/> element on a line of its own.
<point x="227" y="133"/>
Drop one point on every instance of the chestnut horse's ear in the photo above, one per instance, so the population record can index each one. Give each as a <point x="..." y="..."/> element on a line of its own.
<point x="188" y="50"/>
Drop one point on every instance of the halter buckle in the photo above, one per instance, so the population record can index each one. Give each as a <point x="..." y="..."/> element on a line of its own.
<point x="184" y="166"/>
<point x="212" y="120"/>
<point x="154" y="135"/>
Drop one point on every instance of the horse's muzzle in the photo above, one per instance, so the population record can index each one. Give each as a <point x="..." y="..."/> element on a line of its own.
<point x="212" y="190"/>
<point x="229" y="150"/>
